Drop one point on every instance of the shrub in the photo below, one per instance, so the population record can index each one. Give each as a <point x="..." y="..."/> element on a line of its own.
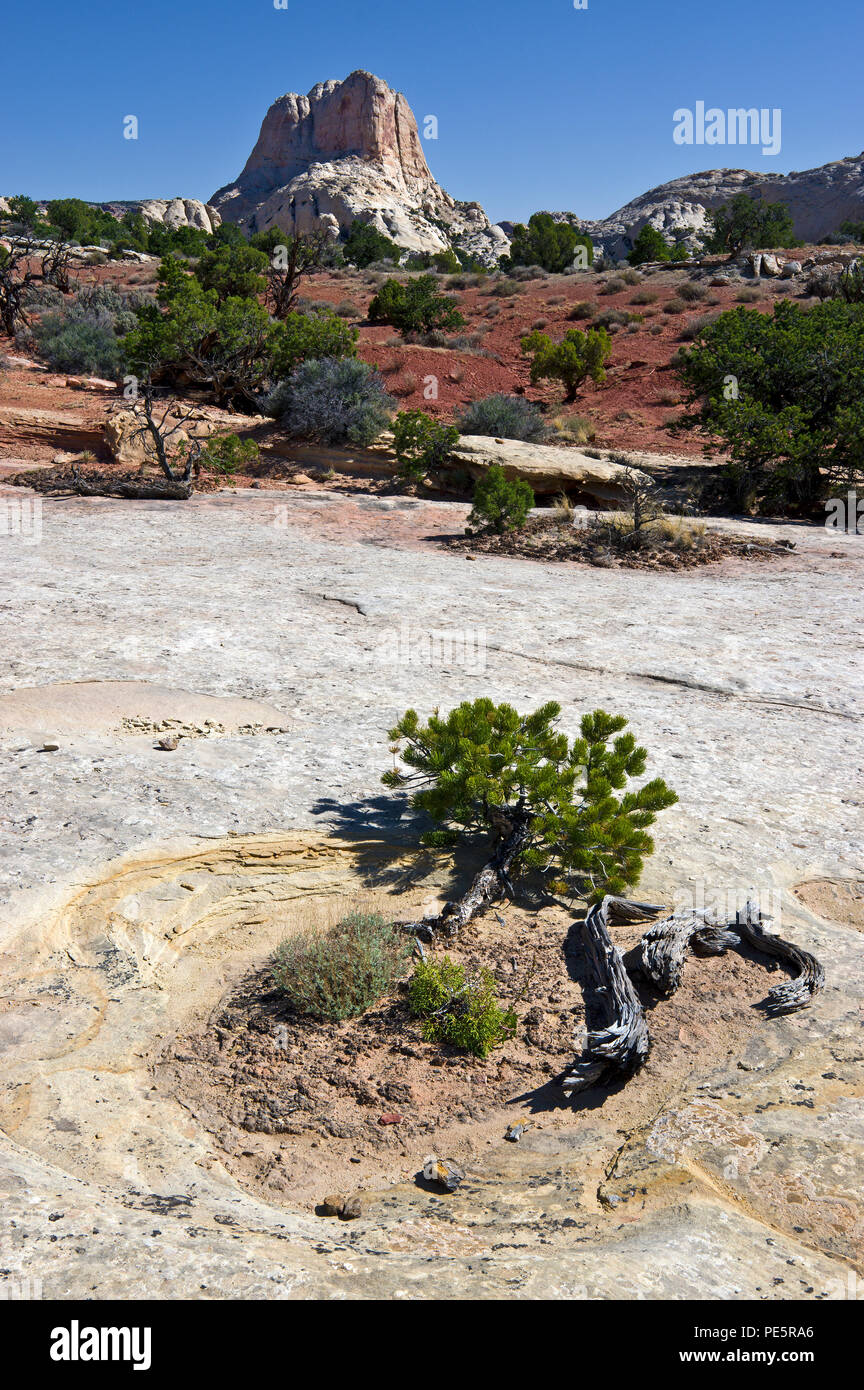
<point x="86" y="334"/>
<point x="301" y="336"/>
<point x="578" y="356"/>
<point x="794" y="422"/>
<point x="233" y="270"/>
<point x="483" y="763"/>
<point x="546" y="243"/>
<point x="674" y="306"/>
<point x="334" y="400"/>
<point x="458" y="1008"/>
<point x="414" y="307"/>
<point x="338" y="974"/>
<point x="690" y="290"/>
<point x="650" y="245"/>
<point x="503" y="417"/>
<point x="582" y="309"/>
<point x="192" y="339"/>
<point x="364" y="244"/>
<point x="613" y="318"/>
<point x="644" y="297"/>
<point x="500" y="503"/>
<point x="423" y="445"/>
<point x="227" y="453"/>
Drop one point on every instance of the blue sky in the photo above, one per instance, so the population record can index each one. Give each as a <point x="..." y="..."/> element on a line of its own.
<point x="539" y="105"/>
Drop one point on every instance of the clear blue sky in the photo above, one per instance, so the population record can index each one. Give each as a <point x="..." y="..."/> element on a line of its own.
<point x="539" y="105"/>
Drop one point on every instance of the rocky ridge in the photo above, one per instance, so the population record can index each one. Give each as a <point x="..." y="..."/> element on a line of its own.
<point x="818" y="199"/>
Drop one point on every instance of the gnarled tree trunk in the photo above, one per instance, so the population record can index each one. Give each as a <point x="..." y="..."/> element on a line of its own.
<point x="487" y="886"/>
<point x="621" y="1046"/>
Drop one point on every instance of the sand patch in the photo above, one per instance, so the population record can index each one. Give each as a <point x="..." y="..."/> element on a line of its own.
<point x="836" y="899"/>
<point x="132" y="707"/>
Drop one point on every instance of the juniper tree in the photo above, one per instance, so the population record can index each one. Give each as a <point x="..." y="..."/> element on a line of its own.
<point x="540" y="802"/>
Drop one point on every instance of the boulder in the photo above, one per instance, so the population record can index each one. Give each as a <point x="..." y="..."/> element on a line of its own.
<point x="771" y="265"/>
<point x="549" y="468"/>
<point x="127" y="445"/>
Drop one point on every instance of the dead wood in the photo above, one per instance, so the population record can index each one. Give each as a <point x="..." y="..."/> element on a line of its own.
<point x="666" y="945"/>
<point x="621" y="1046"/>
<point x="792" y="994"/>
<point x="103" y="485"/>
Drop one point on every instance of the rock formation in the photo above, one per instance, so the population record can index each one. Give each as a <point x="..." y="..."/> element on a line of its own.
<point x="818" y="199"/>
<point x="173" y="212"/>
<point x="351" y="150"/>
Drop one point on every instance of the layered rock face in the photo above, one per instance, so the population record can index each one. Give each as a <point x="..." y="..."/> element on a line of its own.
<point x="818" y="199"/>
<point x="351" y="150"/>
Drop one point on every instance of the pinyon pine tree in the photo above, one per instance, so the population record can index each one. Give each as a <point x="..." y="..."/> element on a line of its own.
<point x="542" y="802"/>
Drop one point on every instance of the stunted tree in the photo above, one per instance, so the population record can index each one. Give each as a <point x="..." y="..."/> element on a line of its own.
<point x="290" y="258"/>
<point x="516" y="783"/>
<point x="572" y="361"/>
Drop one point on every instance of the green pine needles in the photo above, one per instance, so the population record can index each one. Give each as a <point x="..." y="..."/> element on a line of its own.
<point x="486" y="768"/>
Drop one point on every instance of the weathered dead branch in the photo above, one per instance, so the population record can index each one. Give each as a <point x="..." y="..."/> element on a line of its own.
<point x="792" y="994"/>
<point x="103" y="485"/>
<point x="665" y="948"/>
<point x="621" y="1046"/>
<point x="666" y="944"/>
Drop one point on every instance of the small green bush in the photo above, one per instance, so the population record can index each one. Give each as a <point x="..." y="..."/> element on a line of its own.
<point x="650" y="245"/>
<point x="503" y="417"/>
<point x="302" y="336"/>
<point x="500" y="503"/>
<point x="334" y="400"/>
<point x="578" y="356"/>
<point x="227" y="453"/>
<point x="415" y="307"/>
<point x="340" y="973"/>
<point x="459" y="1008"/>
<point x="423" y="445"/>
<point x="546" y="243"/>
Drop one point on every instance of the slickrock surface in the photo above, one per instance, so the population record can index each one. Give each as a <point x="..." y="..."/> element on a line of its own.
<point x="141" y="885"/>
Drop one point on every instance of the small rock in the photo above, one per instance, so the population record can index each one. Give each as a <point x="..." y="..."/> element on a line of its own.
<point x="48" y="748"/>
<point x="351" y="1209"/>
<point x="514" y="1132"/>
<point x="389" y="1119"/>
<point x="168" y="743"/>
<point x="332" y="1205"/>
<point x="442" y="1171"/>
<point x="299" y="478"/>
